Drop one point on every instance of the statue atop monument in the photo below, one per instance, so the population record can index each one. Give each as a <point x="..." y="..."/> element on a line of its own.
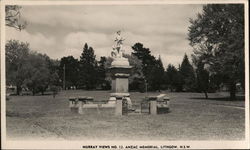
<point x="118" y="48"/>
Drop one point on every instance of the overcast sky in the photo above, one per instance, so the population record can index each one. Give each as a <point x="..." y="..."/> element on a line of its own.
<point x="62" y="30"/>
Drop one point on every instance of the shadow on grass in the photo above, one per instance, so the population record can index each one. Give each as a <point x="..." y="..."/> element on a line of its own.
<point x="30" y="94"/>
<point x="238" y="98"/>
<point x="23" y="115"/>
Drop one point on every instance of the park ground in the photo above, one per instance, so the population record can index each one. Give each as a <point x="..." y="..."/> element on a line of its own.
<point x="191" y="118"/>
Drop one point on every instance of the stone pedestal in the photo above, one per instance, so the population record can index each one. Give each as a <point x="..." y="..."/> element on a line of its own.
<point x="120" y="71"/>
<point x="153" y="105"/>
<point x="73" y="104"/>
<point x="80" y="104"/>
<point x="118" y="107"/>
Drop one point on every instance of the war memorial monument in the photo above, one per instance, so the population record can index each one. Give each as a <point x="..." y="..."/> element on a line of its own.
<point x="119" y="101"/>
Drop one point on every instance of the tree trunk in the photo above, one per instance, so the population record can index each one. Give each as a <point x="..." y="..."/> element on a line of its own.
<point x="33" y="92"/>
<point x="18" y="89"/>
<point x="232" y="91"/>
<point x="205" y="92"/>
<point x="171" y="88"/>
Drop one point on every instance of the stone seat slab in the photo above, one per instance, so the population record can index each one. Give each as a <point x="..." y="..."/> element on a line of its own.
<point x="119" y="94"/>
<point x="72" y="98"/>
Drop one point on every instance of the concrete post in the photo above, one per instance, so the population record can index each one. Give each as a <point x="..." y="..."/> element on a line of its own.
<point x="118" y="107"/>
<point x="81" y="102"/>
<point x="70" y="103"/>
<point x="153" y="105"/>
<point x="73" y="104"/>
<point x="167" y="100"/>
<point x="124" y="106"/>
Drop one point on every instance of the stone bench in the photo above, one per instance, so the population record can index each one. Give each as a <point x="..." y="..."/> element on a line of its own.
<point x="89" y="100"/>
<point x="77" y="105"/>
<point x="82" y="99"/>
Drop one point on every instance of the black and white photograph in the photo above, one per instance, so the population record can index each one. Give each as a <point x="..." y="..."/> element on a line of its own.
<point x="124" y="74"/>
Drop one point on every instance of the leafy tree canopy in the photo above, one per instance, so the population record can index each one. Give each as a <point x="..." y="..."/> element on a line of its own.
<point x="71" y="70"/>
<point x="28" y="69"/>
<point x="217" y="35"/>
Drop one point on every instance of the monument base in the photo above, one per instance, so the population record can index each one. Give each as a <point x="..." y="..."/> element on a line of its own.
<point x="120" y="71"/>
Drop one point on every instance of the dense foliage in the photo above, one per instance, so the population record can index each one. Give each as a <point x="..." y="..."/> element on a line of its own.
<point x="217" y="36"/>
<point x="70" y="64"/>
<point x="26" y="69"/>
<point x="152" y="68"/>
<point x="187" y="75"/>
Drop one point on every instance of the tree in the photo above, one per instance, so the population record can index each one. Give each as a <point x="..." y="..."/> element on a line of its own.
<point x="37" y="77"/>
<point x="187" y="75"/>
<point x="88" y="65"/>
<point x="101" y="70"/>
<point x="54" y="85"/>
<point x="71" y="71"/>
<point x="101" y="74"/>
<point x="13" y="17"/>
<point x="156" y="76"/>
<point x="28" y="69"/>
<point x="136" y="80"/>
<point x="172" y="78"/>
<point x="202" y="76"/>
<point x="150" y="66"/>
<point x="16" y="63"/>
<point x="144" y="54"/>
<point x="217" y="34"/>
<point x="54" y="79"/>
<point x="39" y="73"/>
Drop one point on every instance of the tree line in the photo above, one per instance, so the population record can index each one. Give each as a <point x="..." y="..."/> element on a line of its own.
<point x="36" y="72"/>
<point x="147" y="72"/>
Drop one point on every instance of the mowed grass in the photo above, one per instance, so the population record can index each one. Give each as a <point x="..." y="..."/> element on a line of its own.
<point x="191" y="118"/>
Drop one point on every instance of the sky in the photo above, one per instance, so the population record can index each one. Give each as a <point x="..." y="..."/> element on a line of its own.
<point x="60" y="31"/>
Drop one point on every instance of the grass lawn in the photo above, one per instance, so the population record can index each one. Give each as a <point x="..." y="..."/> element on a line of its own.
<point x="191" y="118"/>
